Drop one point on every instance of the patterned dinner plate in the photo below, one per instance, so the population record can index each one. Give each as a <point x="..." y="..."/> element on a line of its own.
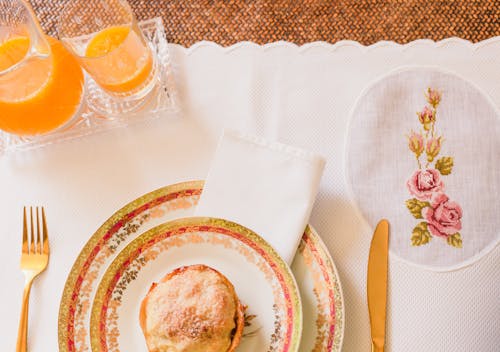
<point x="313" y="268"/>
<point x="262" y="280"/>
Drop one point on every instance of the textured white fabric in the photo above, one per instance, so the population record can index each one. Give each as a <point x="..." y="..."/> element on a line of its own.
<point x="266" y="186"/>
<point x="384" y="173"/>
<point x="297" y="95"/>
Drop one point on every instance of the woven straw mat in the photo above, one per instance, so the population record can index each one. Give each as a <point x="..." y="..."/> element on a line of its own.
<point x="366" y="21"/>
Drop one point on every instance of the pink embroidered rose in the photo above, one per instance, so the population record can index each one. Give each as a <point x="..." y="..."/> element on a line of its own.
<point x="427" y="117"/>
<point x="443" y="217"/>
<point x="433" y="97"/>
<point x="424" y="183"/>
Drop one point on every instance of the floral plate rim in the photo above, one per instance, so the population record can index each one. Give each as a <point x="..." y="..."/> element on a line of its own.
<point x="282" y="272"/>
<point x="68" y="333"/>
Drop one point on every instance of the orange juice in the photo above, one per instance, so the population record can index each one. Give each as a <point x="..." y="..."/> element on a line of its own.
<point x="118" y="59"/>
<point x="13" y="51"/>
<point x="43" y="93"/>
<point x="26" y="79"/>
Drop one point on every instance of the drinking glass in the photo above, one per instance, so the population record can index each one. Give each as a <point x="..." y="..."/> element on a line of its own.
<point x="40" y="87"/>
<point x="106" y="40"/>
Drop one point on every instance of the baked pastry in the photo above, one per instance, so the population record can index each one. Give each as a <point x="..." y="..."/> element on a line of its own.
<point x="192" y="309"/>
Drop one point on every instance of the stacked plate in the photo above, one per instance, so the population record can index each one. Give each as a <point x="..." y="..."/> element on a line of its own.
<point x="288" y="309"/>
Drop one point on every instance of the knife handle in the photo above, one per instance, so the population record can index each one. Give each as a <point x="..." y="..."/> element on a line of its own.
<point x="377" y="349"/>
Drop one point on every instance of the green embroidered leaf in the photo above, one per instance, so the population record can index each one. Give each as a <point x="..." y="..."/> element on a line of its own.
<point x="420" y="235"/>
<point x="455" y="240"/>
<point x="444" y="165"/>
<point x="415" y="207"/>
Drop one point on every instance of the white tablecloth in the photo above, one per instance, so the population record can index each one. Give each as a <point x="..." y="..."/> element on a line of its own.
<point x="296" y="95"/>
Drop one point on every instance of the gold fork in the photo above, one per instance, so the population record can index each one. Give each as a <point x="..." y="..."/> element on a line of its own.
<point x="34" y="260"/>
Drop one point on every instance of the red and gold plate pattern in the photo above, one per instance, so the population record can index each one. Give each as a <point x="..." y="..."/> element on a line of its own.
<point x="263" y="282"/>
<point x="312" y="267"/>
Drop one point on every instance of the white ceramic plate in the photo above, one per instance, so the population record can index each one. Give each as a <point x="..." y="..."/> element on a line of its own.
<point x="262" y="280"/>
<point x="313" y="268"/>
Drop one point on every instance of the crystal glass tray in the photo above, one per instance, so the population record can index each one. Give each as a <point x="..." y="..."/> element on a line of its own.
<point x="161" y="102"/>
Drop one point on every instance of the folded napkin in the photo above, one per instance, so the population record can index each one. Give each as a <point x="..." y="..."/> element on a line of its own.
<point x="266" y="186"/>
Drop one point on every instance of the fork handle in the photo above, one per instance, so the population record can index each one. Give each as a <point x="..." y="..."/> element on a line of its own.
<point x="22" y="333"/>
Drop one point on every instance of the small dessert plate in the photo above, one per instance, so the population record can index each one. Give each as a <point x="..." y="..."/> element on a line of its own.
<point x="262" y="280"/>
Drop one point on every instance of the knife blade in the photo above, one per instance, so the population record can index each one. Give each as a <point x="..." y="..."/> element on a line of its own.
<point x="377" y="284"/>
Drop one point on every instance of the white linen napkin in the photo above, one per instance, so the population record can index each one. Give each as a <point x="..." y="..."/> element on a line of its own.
<point x="268" y="187"/>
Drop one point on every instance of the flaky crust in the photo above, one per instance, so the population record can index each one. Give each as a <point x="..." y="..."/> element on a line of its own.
<point x="239" y="314"/>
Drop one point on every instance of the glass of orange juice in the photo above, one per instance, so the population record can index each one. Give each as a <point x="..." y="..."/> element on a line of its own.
<point x="40" y="82"/>
<point x="106" y="40"/>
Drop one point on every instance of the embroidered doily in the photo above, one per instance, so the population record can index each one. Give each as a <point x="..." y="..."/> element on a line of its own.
<point x="423" y="151"/>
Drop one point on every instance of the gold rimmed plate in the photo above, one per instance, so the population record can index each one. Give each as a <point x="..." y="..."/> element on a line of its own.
<point x="262" y="280"/>
<point x="313" y="268"/>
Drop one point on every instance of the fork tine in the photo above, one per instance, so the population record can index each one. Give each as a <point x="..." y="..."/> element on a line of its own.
<point x="45" y="233"/>
<point x="25" y="232"/>
<point x="38" y="241"/>
<point x="32" y="233"/>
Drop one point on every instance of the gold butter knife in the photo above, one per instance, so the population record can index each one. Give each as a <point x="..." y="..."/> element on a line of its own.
<point x="377" y="284"/>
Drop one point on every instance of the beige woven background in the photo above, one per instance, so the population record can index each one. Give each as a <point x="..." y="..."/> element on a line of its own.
<point x="261" y="21"/>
